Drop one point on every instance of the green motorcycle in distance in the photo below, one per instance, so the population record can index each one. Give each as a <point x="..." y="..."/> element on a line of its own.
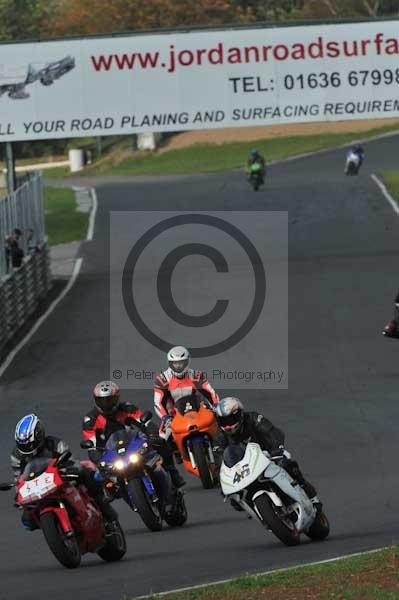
<point x="256" y="175"/>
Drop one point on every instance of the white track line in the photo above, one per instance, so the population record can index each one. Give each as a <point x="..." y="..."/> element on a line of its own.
<point x="76" y="270"/>
<point x="51" y="308"/>
<point x="222" y="581"/>
<point x="92" y="220"/>
<point x="385" y="193"/>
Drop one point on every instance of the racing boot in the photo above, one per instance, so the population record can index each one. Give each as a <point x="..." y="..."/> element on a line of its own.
<point x="168" y="462"/>
<point x="177" y="479"/>
<point x="292" y="467"/>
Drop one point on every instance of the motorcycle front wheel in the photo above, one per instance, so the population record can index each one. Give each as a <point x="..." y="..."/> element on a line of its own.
<point x="203" y="466"/>
<point x="65" y="549"/>
<point x="285" y="530"/>
<point x="148" y="510"/>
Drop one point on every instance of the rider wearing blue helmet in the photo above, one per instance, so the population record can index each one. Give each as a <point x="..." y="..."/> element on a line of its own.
<point x="32" y="442"/>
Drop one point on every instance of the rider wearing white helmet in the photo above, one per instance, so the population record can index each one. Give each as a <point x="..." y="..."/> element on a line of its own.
<point x="178" y="381"/>
<point x="241" y="427"/>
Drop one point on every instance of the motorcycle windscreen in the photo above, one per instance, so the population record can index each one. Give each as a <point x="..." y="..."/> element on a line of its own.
<point x="35" y="467"/>
<point x="233" y="454"/>
<point x="125" y="439"/>
<point x="188" y="404"/>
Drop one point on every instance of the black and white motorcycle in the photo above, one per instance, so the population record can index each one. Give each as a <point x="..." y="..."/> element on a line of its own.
<point x="353" y="163"/>
<point x="253" y="482"/>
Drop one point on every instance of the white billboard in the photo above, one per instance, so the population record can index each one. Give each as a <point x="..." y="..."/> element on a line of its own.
<point x="198" y="80"/>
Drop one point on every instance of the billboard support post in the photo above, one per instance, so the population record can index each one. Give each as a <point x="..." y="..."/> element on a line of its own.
<point x="11" y="179"/>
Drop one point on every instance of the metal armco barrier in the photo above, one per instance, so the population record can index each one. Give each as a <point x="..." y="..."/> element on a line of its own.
<point x="22" y="209"/>
<point x="23" y="289"/>
<point x="21" y="293"/>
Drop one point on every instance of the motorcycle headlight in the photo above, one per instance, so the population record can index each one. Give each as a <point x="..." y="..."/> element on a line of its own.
<point x="119" y="465"/>
<point x="134" y="458"/>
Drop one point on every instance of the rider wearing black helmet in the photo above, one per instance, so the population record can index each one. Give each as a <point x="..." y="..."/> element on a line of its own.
<point x="241" y="427"/>
<point x="32" y="442"/>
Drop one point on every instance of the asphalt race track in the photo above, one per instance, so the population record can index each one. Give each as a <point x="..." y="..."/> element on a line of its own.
<point x="340" y="414"/>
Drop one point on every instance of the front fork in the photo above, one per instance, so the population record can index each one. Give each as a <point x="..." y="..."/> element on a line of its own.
<point x="206" y="442"/>
<point x="148" y="486"/>
<point x="62" y="517"/>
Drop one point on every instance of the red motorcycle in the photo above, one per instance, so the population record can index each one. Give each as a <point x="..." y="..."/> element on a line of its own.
<point x="71" y="522"/>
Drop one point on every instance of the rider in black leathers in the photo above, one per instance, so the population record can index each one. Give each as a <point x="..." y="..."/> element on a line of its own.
<point x="241" y="427"/>
<point x="31" y="443"/>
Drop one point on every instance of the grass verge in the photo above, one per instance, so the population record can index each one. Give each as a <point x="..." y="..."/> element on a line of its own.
<point x="365" y="577"/>
<point x="201" y="158"/>
<point x="63" y="222"/>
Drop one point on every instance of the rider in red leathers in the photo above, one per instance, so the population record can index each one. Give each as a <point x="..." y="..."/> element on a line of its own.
<point x="110" y="414"/>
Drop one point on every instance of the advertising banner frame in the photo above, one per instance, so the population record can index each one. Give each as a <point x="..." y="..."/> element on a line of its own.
<point x="199" y="78"/>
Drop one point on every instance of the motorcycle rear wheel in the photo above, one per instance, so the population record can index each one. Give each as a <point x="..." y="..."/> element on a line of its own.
<point x="65" y="550"/>
<point x="115" y="546"/>
<point x="148" y="511"/>
<point x="286" y="534"/>
<point x="320" y="528"/>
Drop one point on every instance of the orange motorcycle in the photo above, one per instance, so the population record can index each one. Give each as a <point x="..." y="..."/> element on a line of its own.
<point x="194" y="429"/>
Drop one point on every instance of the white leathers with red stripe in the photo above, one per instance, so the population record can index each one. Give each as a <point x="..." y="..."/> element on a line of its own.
<point x="168" y="388"/>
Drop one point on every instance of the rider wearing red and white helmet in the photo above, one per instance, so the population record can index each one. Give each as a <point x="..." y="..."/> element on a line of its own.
<point x="110" y="414"/>
<point x="178" y="381"/>
<point x="241" y="427"/>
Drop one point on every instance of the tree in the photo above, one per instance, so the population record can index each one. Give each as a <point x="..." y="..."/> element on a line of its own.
<point x="321" y="9"/>
<point x="22" y="19"/>
<point x="106" y="16"/>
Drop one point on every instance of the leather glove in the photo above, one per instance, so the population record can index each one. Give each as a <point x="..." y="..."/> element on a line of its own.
<point x="166" y="421"/>
<point x="70" y="472"/>
<point x="277" y="452"/>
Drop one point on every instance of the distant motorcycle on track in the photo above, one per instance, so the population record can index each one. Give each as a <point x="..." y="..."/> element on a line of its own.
<point x="256" y="175"/>
<point x="354" y="160"/>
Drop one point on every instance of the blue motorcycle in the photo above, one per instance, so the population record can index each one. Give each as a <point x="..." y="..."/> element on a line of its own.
<point x="133" y="470"/>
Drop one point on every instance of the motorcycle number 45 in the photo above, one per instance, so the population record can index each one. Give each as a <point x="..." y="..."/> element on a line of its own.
<point x="39" y="486"/>
<point x="241" y="472"/>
